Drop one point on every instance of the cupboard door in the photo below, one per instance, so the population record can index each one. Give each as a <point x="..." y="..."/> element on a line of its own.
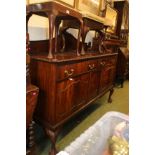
<point x="71" y="95"/>
<point x="107" y="76"/>
<point x="80" y="92"/>
<point x="63" y="99"/>
<point x="93" y="85"/>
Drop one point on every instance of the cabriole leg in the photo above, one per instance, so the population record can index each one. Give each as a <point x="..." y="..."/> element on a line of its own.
<point x="85" y="31"/>
<point x="110" y="94"/>
<point x="53" y="138"/>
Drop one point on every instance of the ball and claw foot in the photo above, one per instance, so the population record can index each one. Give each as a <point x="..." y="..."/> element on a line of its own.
<point x="53" y="135"/>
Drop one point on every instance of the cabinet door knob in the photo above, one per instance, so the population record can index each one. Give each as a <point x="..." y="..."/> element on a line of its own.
<point x="69" y="73"/>
<point x="91" y="66"/>
<point x="102" y="64"/>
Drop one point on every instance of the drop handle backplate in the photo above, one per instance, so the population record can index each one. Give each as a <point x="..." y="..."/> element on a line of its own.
<point x="102" y="64"/>
<point x="91" y="66"/>
<point x="69" y="73"/>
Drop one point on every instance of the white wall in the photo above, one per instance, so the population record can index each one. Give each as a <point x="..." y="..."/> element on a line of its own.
<point x="38" y="28"/>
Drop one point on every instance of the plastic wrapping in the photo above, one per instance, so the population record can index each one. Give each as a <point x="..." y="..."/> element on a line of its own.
<point x="94" y="140"/>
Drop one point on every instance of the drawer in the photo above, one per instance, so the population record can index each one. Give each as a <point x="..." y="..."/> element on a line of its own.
<point x="65" y="71"/>
<point x="107" y="61"/>
<point x="69" y="70"/>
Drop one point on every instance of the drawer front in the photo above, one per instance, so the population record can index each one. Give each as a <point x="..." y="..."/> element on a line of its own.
<point x="70" y="70"/>
<point x="65" y="71"/>
<point x="107" y="61"/>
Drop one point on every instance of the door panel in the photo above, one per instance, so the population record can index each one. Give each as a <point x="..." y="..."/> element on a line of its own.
<point x="106" y="77"/>
<point x="71" y="95"/>
<point x="80" y="92"/>
<point x="64" y="98"/>
<point x="93" y="85"/>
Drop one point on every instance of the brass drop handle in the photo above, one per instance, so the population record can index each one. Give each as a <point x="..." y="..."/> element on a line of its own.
<point x="69" y="73"/>
<point x="91" y="66"/>
<point x="102" y="64"/>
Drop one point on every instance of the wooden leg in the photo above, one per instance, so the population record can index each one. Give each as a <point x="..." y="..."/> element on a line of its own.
<point x="57" y="24"/>
<point x="78" y="42"/>
<point x="101" y="41"/>
<point x="85" y="31"/>
<point x="51" y="18"/>
<point x="27" y="19"/>
<point x="110" y="94"/>
<point x="53" y="138"/>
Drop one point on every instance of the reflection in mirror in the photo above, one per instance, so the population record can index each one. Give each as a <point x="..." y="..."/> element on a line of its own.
<point x="92" y="41"/>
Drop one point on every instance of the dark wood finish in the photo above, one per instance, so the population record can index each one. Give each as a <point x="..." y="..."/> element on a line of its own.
<point x="123" y="34"/>
<point x="59" y="87"/>
<point x="108" y="69"/>
<point x="55" y="12"/>
<point x="110" y="45"/>
<point x="69" y="81"/>
<point x="110" y="94"/>
<point x="89" y="24"/>
<point x="31" y="101"/>
<point x="31" y="90"/>
<point x="53" y="137"/>
<point x="93" y="79"/>
<point x="123" y="12"/>
<point x="28" y="79"/>
<point x="66" y="42"/>
<point x="122" y="66"/>
<point x="72" y="91"/>
<point x="67" y="87"/>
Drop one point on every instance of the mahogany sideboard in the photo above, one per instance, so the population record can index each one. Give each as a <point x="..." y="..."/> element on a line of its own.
<point x="68" y="81"/>
<point x="69" y="84"/>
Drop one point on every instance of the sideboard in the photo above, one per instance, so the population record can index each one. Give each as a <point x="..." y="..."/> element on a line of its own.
<point x="68" y="81"/>
<point x="68" y="85"/>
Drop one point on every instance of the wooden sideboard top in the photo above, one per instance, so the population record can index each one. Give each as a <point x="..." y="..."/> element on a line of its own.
<point x="70" y="56"/>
